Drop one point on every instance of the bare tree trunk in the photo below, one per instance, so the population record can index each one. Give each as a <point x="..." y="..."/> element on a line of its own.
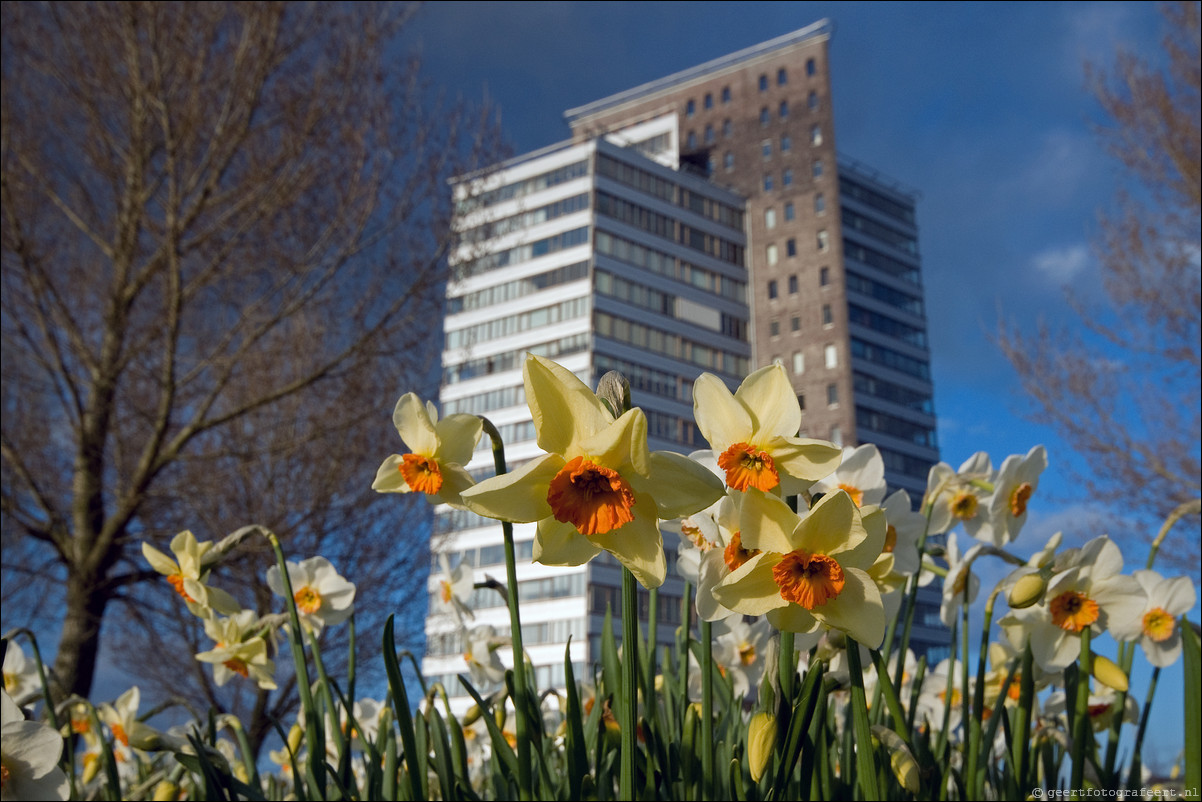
<point x="79" y="644"/>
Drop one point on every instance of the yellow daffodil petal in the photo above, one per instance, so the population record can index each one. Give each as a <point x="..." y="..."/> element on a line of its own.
<point x="833" y="526"/>
<point x="751" y="590"/>
<point x="159" y="561"/>
<point x="792" y="618"/>
<point x="857" y="610"/>
<point x="455" y="479"/>
<point x="722" y="420"/>
<point x="620" y="445"/>
<point x="864" y="554"/>
<point x="518" y="497"/>
<point x="769" y="396"/>
<point x="413" y="424"/>
<point x="638" y="545"/>
<point x="808" y="460"/>
<point x="766" y="522"/>
<point x="680" y="485"/>
<point x="564" y="410"/>
<point x="559" y="543"/>
<point x="388" y="477"/>
<point x="457" y="437"/>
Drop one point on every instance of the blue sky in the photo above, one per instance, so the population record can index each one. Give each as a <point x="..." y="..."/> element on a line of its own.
<point x="981" y="107"/>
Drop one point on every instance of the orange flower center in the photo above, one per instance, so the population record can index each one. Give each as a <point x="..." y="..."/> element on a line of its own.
<point x="810" y="580"/>
<point x="693" y="532"/>
<point x="735" y="555"/>
<point x="857" y="495"/>
<point x="238" y="666"/>
<point x="308" y="600"/>
<point x="177" y="582"/>
<point x="421" y="473"/>
<point x="446" y="591"/>
<point x="120" y="734"/>
<point x="1158" y="624"/>
<point x="964" y="505"/>
<point x="1099" y="709"/>
<point x="592" y="498"/>
<point x="747" y="467"/>
<point x="890" y="540"/>
<point x="746" y="654"/>
<point x="1019" y="498"/>
<point x="80" y="726"/>
<point x="1072" y="611"/>
<point x="4" y="776"/>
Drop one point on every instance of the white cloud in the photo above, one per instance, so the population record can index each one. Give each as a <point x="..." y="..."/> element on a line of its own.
<point x="1061" y="265"/>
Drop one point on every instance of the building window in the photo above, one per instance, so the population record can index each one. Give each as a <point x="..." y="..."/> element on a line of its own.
<point x="832" y="395"/>
<point x="830" y="356"/>
<point x="786" y="178"/>
<point x="790" y="247"/>
<point x="789" y="212"/>
<point x="823" y="241"/>
<point x="786" y="144"/>
<point x="799" y="363"/>
<point x="770" y="218"/>
<point x="792" y="281"/>
<point x="691" y="140"/>
<point x="774" y="329"/>
<point x="819" y="204"/>
<point x="817" y="168"/>
<point x="772" y="289"/>
<point x="763" y="83"/>
<point x="765" y="116"/>
<point x="827" y="316"/>
<point x="816" y="135"/>
<point x="795" y="323"/>
<point x="801" y="403"/>
<point x="812" y="101"/>
<point x="728" y="160"/>
<point x="709" y="100"/>
<point x="782" y="77"/>
<point x="726" y="94"/>
<point x="784" y="110"/>
<point x="811" y="67"/>
<point x="709" y="134"/>
<point x="766" y="149"/>
<point x="824" y="277"/>
<point x="771" y="253"/>
<point x="690" y="108"/>
<point x="726" y="128"/>
<point x="767" y="182"/>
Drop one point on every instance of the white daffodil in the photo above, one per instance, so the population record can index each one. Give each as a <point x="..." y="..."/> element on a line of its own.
<point x="1087" y="594"/>
<point x="188" y="571"/>
<point x="740" y="650"/>
<point x="29" y="756"/>
<point x="808" y="572"/>
<point x="959" y="497"/>
<point x="934" y="703"/>
<point x="905" y="528"/>
<point x="1013" y="487"/>
<point x="240" y="650"/>
<point x="483" y="662"/>
<point x="861" y="475"/>
<point x="21" y="680"/>
<point x="1154" y="624"/>
<point x="322" y="596"/>
<point x="598" y="487"/>
<point x="753" y="432"/>
<point x="960" y="580"/>
<point x="455" y="589"/>
<point x="438" y="450"/>
<point x="122" y="719"/>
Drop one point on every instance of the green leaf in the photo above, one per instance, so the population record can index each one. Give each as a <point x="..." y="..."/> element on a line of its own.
<point x="1193" y="708"/>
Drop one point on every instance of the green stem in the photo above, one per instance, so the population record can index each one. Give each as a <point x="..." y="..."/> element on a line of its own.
<point x="1134" y="780"/>
<point x="1022" y="739"/>
<point x="521" y="689"/>
<point x="630" y="680"/>
<point x="865" y="755"/>
<point x="1082" y="728"/>
<point x="707" y="709"/>
<point x="1188" y="508"/>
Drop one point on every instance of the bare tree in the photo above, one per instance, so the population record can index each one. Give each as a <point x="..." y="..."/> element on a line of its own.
<point x="1125" y="392"/>
<point x="223" y="236"/>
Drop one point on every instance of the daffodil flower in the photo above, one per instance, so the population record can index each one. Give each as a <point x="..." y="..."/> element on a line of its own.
<point x="29" y="755"/>
<point x="322" y="596"/>
<point x="960" y="580"/>
<point x="189" y="570"/>
<point x="1015" y="483"/>
<point x="753" y="432"/>
<point x="904" y="529"/>
<point x="1154" y="623"/>
<point x="438" y="450"/>
<point x="598" y="487"/>
<point x="808" y="572"/>
<point x="239" y="650"/>
<point x="21" y="680"/>
<point x="122" y="719"/>
<point x="959" y="497"/>
<point x="861" y="474"/>
<point x="455" y="589"/>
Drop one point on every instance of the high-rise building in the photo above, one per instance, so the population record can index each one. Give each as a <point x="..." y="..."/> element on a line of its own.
<point x="700" y="222"/>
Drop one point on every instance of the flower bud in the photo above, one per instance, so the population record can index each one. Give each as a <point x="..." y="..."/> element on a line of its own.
<point x="905" y="768"/>
<point x="761" y="738"/>
<point x="165" y="791"/>
<point x="294" y="739"/>
<point x="1028" y="590"/>
<point x="471" y="716"/>
<point x="614" y="391"/>
<point x="1108" y="673"/>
